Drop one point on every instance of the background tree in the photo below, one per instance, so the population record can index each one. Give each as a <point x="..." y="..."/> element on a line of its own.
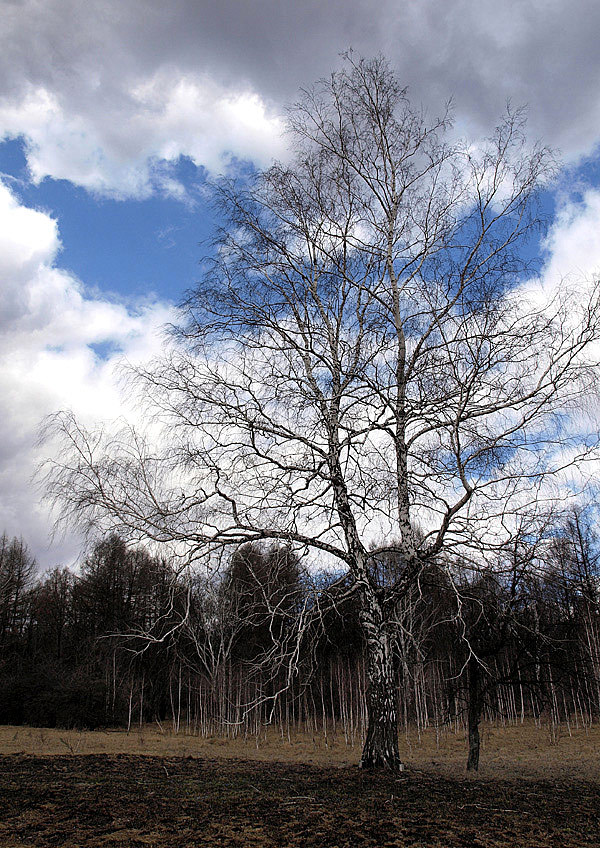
<point x="17" y="580"/>
<point x="361" y="356"/>
<point x="572" y="587"/>
<point x="17" y="573"/>
<point x="262" y="588"/>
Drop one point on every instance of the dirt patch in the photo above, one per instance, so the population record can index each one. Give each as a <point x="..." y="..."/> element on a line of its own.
<point x="122" y="800"/>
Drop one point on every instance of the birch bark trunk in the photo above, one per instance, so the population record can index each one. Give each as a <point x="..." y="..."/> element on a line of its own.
<point x="381" y="744"/>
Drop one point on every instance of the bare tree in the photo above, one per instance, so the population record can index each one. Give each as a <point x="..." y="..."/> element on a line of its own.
<point x="574" y="568"/>
<point x="361" y="360"/>
<point x="17" y="573"/>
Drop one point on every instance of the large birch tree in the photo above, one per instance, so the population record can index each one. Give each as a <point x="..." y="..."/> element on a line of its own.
<point x="362" y="372"/>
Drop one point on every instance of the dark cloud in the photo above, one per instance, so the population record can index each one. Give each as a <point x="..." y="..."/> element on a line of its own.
<point x="543" y="54"/>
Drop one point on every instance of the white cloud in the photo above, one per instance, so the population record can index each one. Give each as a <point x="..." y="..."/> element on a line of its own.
<point x="570" y="252"/>
<point x="118" y="150"/>
<point x="47" y="327"/>
<point x="572" y="243"/>
<point x="569" y="282"/>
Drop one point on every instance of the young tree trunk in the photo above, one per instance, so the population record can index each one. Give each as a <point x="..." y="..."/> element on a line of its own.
<point x="474" y="714"/>
<point x="381" y="745"/>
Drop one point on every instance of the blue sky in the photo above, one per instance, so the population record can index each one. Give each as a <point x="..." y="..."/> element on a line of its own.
<point x="130" y="248"/>
<point x="113" y="114"/>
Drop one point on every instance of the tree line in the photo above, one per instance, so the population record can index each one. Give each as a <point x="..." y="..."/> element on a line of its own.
<point x="129" y="639"/>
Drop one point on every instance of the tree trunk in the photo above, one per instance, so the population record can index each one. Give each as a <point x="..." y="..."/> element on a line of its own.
<point x="381" y="745"/>
<point x="474" y="714"/>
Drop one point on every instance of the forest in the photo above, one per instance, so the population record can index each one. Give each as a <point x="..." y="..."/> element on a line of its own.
<point x="127" y="639"/>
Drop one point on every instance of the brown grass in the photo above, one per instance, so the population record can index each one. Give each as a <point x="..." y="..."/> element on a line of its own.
<point x="510" y="752"/>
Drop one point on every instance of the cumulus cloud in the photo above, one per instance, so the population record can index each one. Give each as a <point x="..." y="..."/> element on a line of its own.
<point x="569" y="281"/>
<point x="104" y="91"/>
<point x="50" y="335"/>
<point x="572" y="244"/>
<point x="167" y="116"/>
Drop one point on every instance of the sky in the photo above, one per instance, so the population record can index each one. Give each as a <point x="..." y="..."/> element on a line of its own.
<point x="113" y="114"/>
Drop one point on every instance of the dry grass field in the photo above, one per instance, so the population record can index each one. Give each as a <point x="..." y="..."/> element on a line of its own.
<point x="512" y="751"/>
<point x="110" y="789"/>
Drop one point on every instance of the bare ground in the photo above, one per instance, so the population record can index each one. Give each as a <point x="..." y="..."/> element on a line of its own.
<point x="114" y="799"/>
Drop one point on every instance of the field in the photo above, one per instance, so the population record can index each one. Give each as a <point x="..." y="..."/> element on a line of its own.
<point x="151" y="788"/>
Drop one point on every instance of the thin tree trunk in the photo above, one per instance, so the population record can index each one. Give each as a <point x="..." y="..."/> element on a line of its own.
<point x="474" y="713"/>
